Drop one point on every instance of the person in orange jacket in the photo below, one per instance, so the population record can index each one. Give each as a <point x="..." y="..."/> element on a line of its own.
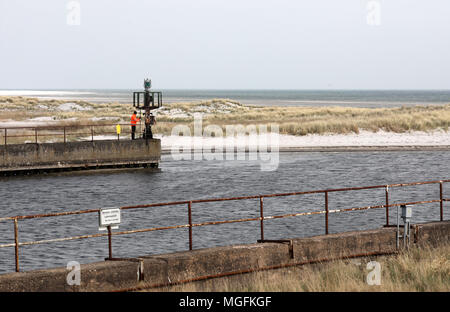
<point x="134" y="121"/>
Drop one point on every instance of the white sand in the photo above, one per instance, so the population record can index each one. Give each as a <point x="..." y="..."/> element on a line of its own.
<point x="363" y="139"/>
<point x="366" y="138"/>
<point x="38" y="121"/>
<point x="68" y="107"/>
<point x="104" y="118"/>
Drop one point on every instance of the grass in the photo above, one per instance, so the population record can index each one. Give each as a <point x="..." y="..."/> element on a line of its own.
<point x="424" y="269"/>
<point x="222" y="112"/>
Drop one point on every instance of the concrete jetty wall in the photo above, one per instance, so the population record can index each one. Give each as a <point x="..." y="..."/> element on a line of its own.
<point x="69" y="155"/>
<point x="221" y="261"/>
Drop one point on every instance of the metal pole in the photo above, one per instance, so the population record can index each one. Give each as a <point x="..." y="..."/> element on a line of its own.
<point x="109" y="242"/>
<point x="190" y="224"/>
<point x="409" y="234"/>
<point x="6" y="134"/>
<point x="261" y="212"/>
<point x="442" y="201"/>
<point x="387" y="205"/>
<point x="16" y="241"/>
<point x="35" y="135"/>
<point x="326" y="212"/>
<point x="404" y="234"/>
<point x="92" y="133"/>
<point x="64" y="135"/>
<point x="398" y="231"/>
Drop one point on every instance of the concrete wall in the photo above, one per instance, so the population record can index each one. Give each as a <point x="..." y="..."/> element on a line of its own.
<point x="78" y="153"/>
<point x="221" y="261"/>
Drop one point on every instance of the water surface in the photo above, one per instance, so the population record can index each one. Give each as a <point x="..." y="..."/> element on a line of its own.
<point x="185" y="180"/>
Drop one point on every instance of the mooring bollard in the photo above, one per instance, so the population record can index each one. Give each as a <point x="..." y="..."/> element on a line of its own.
<point x="118" y="132"/>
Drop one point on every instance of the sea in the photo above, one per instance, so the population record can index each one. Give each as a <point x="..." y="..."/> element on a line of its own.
<point x="350" y="98"/>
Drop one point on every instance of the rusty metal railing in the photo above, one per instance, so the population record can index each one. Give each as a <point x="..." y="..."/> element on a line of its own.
<point x="261" y="218"/>
<point x="63" y="132"/>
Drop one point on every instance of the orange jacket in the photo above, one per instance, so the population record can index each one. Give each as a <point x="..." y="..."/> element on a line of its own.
<point x="134" y="120"/>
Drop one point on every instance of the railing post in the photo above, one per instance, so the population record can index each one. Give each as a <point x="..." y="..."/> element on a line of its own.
<point x="387" y="205"/>
<point x="109" y="242"/>
<point x="441" y="194"/>
<point x="326" y="212"/>
<point x="35" y="135"/>
<point x="397" y="240"/>
<point x="92" y="133"/>
<point x="6" y="134"/>
<point x="261" y="213"/>
<point x="16" y="242"/>
<point x="64" y="135"/>
<point x="190" y="224"/>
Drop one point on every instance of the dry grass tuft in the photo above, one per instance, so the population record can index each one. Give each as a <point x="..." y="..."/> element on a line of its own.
<point x="419" y="269"/>
<point x="291" y="120"/>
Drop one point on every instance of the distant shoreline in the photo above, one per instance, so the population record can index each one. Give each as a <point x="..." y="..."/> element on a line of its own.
<point x="351" y="149"/>
<point x="369" y="98"/>
<point x="299" y="127"/>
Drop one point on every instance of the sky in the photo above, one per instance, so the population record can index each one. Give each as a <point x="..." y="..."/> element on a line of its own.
<point x="225" y="44"/>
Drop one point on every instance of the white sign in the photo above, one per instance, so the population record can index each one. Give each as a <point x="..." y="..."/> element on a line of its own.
<point x="109" y="217"/>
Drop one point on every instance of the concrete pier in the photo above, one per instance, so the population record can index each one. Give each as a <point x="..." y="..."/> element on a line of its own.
<point x="166" y="269"/>
<point x="87" y="155"/>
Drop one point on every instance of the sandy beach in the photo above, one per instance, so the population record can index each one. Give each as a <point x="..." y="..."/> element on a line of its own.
<point x="363" y="139"/>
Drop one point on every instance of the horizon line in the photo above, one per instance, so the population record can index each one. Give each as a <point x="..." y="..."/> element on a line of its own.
<point x="225" y="89"/>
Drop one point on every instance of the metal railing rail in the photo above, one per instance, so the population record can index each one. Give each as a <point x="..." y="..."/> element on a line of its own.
<point x="63" y="132"/>
<point x="261" y="218"/>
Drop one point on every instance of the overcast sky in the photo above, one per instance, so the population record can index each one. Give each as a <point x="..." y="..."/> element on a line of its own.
<point x="225" y="44"/>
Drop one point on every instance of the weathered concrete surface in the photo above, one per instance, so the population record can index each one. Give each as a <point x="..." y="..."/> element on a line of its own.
<point x="434" y="233"/>
<point x="345" y="244"/>
<point x="101" y="276"/>
<point x="212" y="261"/>
<point x="65" y="155"/>
<point x="220" y="261"/>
